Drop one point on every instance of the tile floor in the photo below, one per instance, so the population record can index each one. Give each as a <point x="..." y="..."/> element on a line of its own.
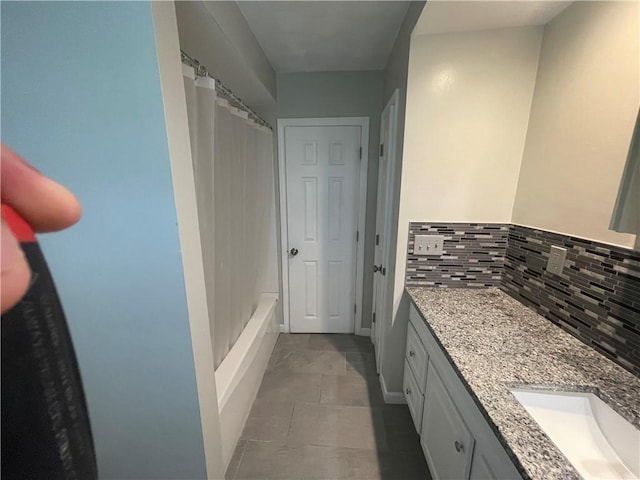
<point x="319" y="414"/>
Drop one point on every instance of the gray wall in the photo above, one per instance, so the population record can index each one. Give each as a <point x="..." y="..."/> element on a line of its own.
<point x="229" y="17"/>
<point x="95" y="122"/>
<point x="342" y="94"/>
<point x="395" y="76"/>
<point x="218" y="36"/>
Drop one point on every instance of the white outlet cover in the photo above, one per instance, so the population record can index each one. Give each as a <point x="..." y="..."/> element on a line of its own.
<point x="557" y="256"/>
<point x="428" y="245"/>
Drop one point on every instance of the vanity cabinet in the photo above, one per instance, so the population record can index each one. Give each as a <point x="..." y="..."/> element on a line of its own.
<point x="446" y="440"/>
<point x="480" y="468"/>
<point x="413" y="395"/>
<point x="456" y="439"/>
<point x="415" y="375"/>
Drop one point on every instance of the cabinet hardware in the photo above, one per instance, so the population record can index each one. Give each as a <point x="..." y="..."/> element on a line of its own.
<point x="411" y="353"/>
<point x="459" y="446"/>
<point x="408" y="392"/>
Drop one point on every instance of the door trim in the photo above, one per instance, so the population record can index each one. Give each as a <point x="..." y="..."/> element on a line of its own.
<point x="362" y="122"/>
<point x="389" y="205"/>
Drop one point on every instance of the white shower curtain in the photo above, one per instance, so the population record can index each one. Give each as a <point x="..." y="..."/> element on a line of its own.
<point x="234" y="178"/>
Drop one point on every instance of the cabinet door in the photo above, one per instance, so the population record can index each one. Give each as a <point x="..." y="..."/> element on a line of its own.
<point x="480" y="469"/>
<point x="491" y="462"/>
<point x="413" y="395"/>
<point x="446" y="440"/>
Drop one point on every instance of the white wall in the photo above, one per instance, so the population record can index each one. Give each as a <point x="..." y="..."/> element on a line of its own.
<point x="468" y="101"/>
<point x="395" y="77"/>
<point x="175" y="110"/>
<point x="585" y="104"/>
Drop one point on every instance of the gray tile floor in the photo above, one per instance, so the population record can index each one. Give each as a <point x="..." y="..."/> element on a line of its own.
<point x="319" y="414"/>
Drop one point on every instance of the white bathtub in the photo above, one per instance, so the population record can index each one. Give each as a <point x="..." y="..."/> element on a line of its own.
<point x="239" y="375"/>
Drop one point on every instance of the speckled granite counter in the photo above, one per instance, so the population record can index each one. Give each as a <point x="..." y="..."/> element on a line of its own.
<point x="494" y="342"/>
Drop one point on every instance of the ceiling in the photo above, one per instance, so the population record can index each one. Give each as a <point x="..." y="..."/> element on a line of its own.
<point x="310" y="36"/>
<point x="447" y="16"/>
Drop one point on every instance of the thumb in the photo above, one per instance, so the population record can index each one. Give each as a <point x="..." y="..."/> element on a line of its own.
<point x="14" y="268"/>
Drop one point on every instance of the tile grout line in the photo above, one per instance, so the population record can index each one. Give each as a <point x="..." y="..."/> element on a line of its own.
<point x="293" y="411"/>
<point x="321" y="387"/>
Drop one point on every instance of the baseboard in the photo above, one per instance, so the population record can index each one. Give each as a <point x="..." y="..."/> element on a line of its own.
<point x="364" y="332"/>
<point x="395" y="398"/>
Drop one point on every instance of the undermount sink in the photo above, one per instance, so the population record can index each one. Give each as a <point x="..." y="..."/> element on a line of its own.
<point x="598" y="442"/>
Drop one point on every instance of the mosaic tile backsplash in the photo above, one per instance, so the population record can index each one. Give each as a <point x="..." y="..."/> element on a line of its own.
<point x="473" y="255"/>
<point x="596" y="299"/>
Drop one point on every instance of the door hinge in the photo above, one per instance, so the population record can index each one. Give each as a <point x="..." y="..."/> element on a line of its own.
<point x="357" y="235"/>
<point x="355" y="309"/>
<point x="360" y="153"/>
<point x="373" y="320"/>
<point x="377" y="239"/>
<point x="381" y="149"/>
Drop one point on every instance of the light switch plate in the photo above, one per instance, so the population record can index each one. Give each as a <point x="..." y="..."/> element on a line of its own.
<point x="428" y="245"/>
<point x="557" y="256"/>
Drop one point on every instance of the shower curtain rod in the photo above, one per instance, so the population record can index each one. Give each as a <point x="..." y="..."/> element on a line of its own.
<point x="221" y="89"/>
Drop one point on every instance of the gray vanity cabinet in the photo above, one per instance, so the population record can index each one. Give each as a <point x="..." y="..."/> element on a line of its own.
<point x="456" y="439"/>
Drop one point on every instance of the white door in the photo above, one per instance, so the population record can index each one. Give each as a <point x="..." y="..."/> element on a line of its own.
<point x="383" y="213"/>
<point x="322" y="171"/>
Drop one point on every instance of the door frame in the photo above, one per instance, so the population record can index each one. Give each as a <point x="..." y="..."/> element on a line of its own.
<point x="381" y="323"/>
<point x="362" y="122"/>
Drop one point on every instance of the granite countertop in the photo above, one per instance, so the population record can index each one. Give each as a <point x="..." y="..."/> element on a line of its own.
<point x="494" y="342"/>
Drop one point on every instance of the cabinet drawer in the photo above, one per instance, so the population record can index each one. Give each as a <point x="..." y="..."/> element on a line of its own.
<point x="413" y="395"/>
<point x="417" y="357"/>
<point x="446" y="440"/>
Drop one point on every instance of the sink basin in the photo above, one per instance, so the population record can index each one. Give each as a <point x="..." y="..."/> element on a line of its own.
<point x="598" y="442"/>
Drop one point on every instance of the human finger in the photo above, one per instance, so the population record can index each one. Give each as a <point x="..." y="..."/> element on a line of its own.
<point x="45" y="204"/>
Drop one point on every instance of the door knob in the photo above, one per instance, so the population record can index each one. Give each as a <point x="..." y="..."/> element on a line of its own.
<point x="293" y="252"/>
<point x="377" y="268"/>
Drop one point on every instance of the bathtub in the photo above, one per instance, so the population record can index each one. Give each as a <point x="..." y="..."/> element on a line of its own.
<point x="239" y="375"/>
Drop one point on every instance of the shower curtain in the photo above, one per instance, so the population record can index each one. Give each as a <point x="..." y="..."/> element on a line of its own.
<point x="234" y="179"/>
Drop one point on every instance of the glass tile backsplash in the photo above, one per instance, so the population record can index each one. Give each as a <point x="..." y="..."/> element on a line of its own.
<point x="596" y="298"/>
